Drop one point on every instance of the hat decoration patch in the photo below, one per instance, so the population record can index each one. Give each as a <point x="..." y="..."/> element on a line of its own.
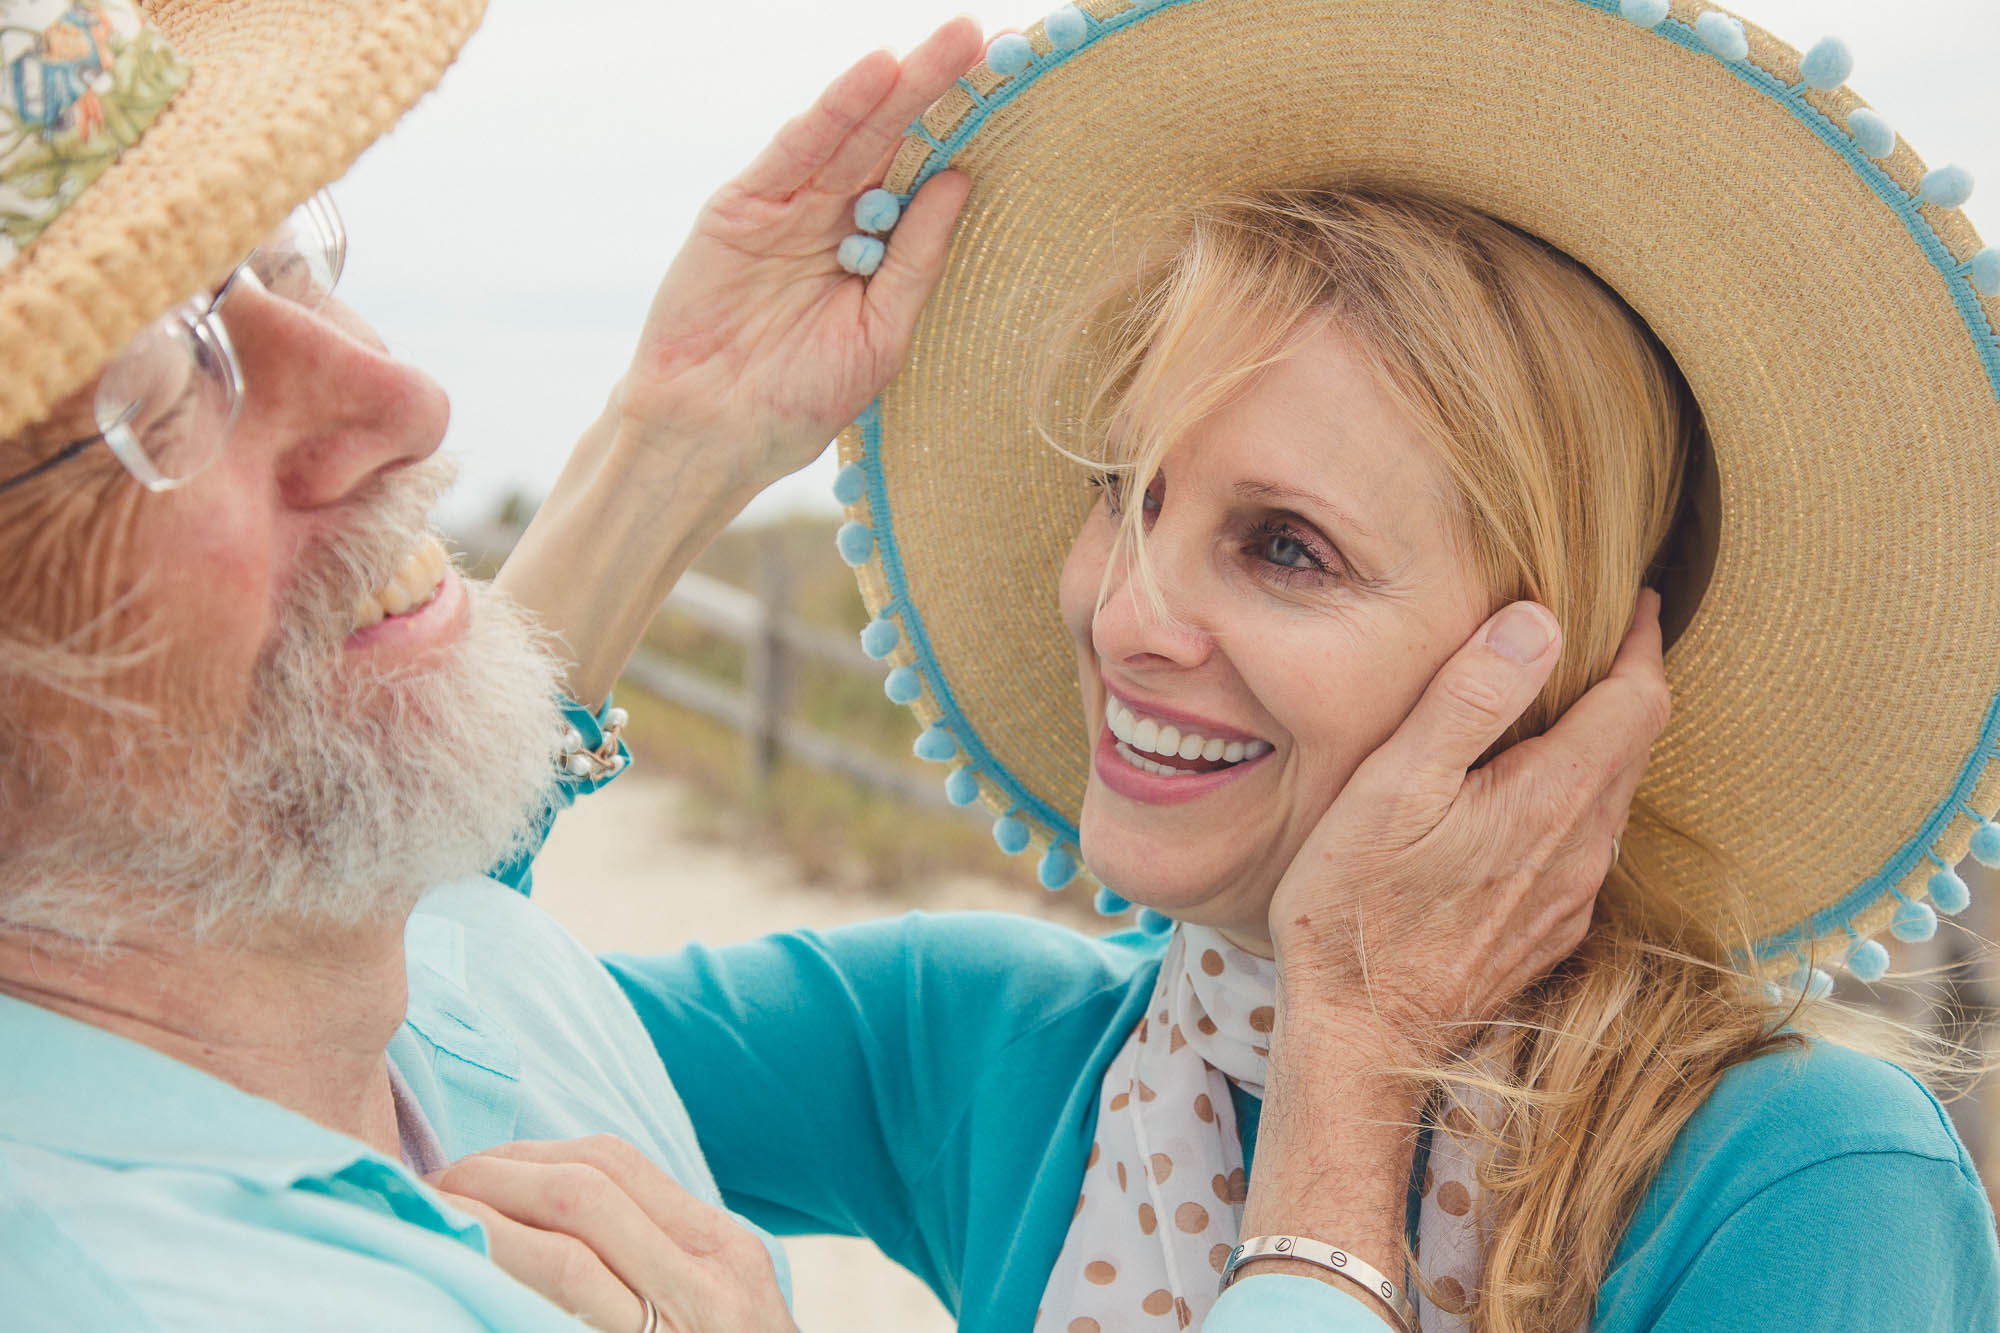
<point x="83" y="79"/>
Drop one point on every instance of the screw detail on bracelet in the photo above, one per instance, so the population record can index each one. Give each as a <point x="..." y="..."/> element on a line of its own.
<point x="1335" y="1260"/>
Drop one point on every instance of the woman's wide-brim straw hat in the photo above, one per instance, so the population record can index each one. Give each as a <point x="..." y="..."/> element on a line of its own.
<point x="149" y="147"/>
<point x="1835" y="712"/>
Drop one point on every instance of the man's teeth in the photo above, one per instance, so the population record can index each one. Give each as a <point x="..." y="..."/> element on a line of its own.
<point x="1144" y="735"/>
<point x="415" y="582"/>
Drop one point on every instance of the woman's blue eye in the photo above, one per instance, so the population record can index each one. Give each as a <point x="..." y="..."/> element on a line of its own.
<point x="1283" y="549"/>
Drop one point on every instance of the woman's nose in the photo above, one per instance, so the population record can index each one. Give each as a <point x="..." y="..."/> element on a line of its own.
<point x="1149" y="613"/>
<point x="325" y="400"/>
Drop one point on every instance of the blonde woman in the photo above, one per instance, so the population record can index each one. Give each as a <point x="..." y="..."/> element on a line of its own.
<point x="1387" y="437"/>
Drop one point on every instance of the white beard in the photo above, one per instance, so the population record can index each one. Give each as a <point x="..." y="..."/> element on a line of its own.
<point x="339" y="799"/>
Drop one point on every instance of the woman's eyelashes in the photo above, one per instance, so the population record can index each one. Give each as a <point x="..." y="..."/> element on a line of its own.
<point x="1112" y="485"/>
<point x="1288" y="551"/>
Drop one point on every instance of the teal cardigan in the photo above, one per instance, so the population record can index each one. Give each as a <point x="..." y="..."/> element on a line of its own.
<point x="930" y="1083"/>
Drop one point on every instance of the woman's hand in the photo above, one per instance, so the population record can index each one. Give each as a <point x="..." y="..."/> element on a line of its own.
<point x="758" y="342"/>
<point x="594" y="1225"/>
<point x="758" y="350"/>
<point x="1429" y="894"/>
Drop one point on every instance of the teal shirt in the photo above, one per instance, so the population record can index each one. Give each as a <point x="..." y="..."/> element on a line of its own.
<point x="141" y="1195"/>
<point x="931" y="1083"/>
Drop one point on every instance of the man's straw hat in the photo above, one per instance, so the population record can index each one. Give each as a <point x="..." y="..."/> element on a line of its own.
<point x="1835" y="707"/>
<point x="145" y="149"/>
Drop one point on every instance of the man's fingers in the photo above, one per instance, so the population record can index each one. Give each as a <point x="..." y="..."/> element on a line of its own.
<point x="1471" y="701"/>
<point x="915" y="258"/>
<point x="693" y="1224"/>
<point x="560" y="1267"/>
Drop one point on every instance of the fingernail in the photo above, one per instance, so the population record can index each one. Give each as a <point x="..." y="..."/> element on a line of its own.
<point x="1521" y="634"/>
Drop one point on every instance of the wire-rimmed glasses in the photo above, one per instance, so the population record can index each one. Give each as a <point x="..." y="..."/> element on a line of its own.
<point x="166" y="403"/>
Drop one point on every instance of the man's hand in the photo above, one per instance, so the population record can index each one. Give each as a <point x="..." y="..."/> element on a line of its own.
<point x="594" y="1225"/>
<point x="1432" y="892"/>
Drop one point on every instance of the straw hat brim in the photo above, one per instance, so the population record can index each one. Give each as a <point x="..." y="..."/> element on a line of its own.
<point x="1834" y="690"/>
<point x="281" y="97"/>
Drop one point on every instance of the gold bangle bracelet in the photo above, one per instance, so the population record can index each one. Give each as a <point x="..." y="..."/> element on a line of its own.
<point x="1336" y="1261"/>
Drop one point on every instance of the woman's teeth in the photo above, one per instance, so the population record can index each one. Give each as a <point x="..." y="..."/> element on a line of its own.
<point x="416" y="581"/>
<point x="1139" y="737"/>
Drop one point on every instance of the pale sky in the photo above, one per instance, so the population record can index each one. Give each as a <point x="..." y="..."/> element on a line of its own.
<point x="508" y="235"/>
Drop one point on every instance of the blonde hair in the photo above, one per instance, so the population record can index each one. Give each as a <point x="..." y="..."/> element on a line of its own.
<point x="1565" y="430"/>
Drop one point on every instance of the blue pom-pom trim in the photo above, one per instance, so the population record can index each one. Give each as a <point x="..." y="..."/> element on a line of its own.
<point x="1065" y="28"/>
<point x="1985" y="271"/>
<point x="1949" y="894"/>
<point x="936" y="744"/>
<point x="1945" y="187"/>
<point x="1057" y="869"/>
<point x="850" y="484"/>
<point x="1154" y="923"/>
<point x="1723" y="35"/>
<point x="1914" y="923"/>
<point x="1827" y="65"/>
<point x="1986" y="845"/>
<point x="1872" y="134"/>
<point x="1814" y="982"/>
<point x="1108" y="903"/>
<point x="1009" y="54"/>
<point x="856" y="542"/>
<point x="1010" y="835"/>
<point x="1645" y="13"/>
<point x="880" y="637"/>
<point x="1869" y="961"/>
<point x="877" y="211"/>
<point x="962" y="787"/>
<point x="903" y="685"/>
<point x="861" y="255"/>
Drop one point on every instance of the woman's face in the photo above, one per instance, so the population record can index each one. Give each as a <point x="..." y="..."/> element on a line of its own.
<point x="1306" y="547"/>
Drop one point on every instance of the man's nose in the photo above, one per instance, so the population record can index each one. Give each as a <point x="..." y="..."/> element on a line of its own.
<point x="325" y="398"/>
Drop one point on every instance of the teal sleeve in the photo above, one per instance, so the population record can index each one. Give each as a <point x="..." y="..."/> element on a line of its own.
<point x="927" y="1082"/>
<point x="517" y="872"/>
<point x="1259" y="1303"/>
<point x="1866" y="1241"/>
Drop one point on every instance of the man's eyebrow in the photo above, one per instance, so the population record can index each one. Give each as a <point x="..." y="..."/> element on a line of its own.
<point x="1266" y="492"/>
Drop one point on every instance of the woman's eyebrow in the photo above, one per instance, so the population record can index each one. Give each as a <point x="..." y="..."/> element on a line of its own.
<point x="1292" y="497"/>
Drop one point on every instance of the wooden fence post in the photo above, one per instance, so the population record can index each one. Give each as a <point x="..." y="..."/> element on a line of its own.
<point x="765" y="677"/>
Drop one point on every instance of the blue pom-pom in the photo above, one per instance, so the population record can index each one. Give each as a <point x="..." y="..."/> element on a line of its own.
<point x="1816" y="984"/>
<point x="1827" y="65"/>
<point x="961" y="788"/>
<point x="1108" y="903"/>
<point x="880" y="637"/>
<point x="1009" y="54"/>
<point x="1949" y="894"/>
<point x="1986" y="845"/>
<point x="1011" y="834"/>
<point x="1913" y="923"/>
<point x="903" y="685"/>
<point x="1985" y="272"/>
<point x="1065" y="28"/>
<point x="877" y="211"/>
<point x="1946" y="187"/>
<point x="1058" y="868"/>
<point x="1869" y="961"/>
<point x="861" y="255"/>
<point x="850" y="484"/>
<point x="937" y="744"/>
<point x="1154" y="923"/>
<point x="1872" y="134"/>
<point x="1773" y="993"/>
<point x="1645" y="13"/>
<point x="1722" y="35"/>
<point x="856" y="541"/>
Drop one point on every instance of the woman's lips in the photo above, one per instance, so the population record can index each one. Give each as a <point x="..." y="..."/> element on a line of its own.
<point x="1147" y="787"/>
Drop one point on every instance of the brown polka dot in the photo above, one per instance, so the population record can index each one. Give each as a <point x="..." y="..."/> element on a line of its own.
<point x="1100" y="1272"/>
<point x="1149" y="1220"/>
<point x="1191" y="1217"/>
<point x="1085" y="1325"/>
<point x="1163" y="1015"/>
<point x="1146" y="1094"/>
<point x="1182" y="1313"/>
<point x="1163" y="1166"/>
<point x="1118" y="1102"/>
<point x="1205" y="1109"/>
<point x="1095" y="1153"/>
<point x="1458" y="1122"/>
<point x="1218" y="1256"/>
<point x="1157" y="1302"/>
<point x="1263" y="1018"/>
<point x="1121" y="1175"/>
<point x="1079" y="1209"/>
<point x="1205" y="1026"/>
<point x="1176" y="1039"/>
<point x="1232" y="1188"/>
<point x="1430" y="1182"/>
<point x="1454" y="1198"/>
<point x="1449" y="1295"/>
<point x="1145" y="1026"/>
<point x="1211" y="962"/>
<point x="1262" y="1051"/>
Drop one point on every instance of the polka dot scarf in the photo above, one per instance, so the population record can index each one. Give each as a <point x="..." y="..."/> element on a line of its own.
<point x="1162" y="1198"/>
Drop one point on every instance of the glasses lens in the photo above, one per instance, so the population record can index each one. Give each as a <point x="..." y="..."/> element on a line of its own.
<point x="302" y="259"/>
<point x="166" y="404"/>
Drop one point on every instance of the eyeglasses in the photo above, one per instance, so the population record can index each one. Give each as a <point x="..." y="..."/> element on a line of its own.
<point x="166" y="404"/>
